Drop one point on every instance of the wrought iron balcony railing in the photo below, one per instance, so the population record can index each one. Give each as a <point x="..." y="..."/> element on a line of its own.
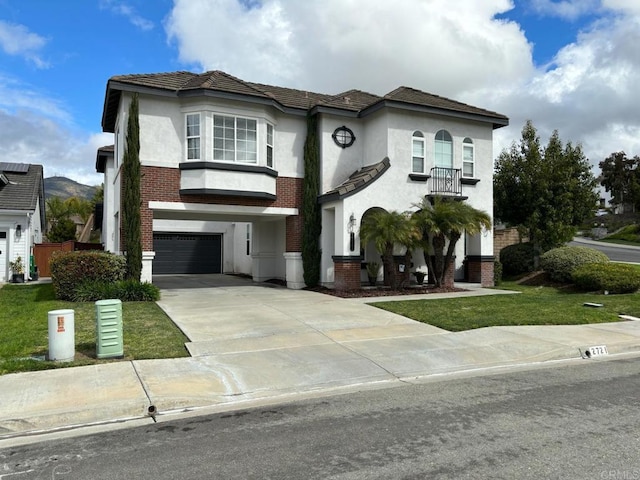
<point x="445" y="181"/>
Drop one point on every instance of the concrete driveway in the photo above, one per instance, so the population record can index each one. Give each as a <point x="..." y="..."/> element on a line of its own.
<point x="251" y="341"/>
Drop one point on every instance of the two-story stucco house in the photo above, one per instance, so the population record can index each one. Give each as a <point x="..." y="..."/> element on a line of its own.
<point x="223" y="168"/>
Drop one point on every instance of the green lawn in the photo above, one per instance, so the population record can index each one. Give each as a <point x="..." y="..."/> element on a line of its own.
<point x="532" y="306"/>
<point x="147" y="331"/>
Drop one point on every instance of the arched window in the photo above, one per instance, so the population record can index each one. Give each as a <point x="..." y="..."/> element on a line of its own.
<point x="417" y="152"/>
<point x="468" y="158"/>
<point x="444" y="149"/>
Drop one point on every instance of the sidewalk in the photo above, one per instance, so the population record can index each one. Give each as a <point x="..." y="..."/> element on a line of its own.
<point x="306" y="343"/>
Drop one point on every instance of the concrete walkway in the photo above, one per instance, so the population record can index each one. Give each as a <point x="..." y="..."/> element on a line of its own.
<point x="258" y="342"/>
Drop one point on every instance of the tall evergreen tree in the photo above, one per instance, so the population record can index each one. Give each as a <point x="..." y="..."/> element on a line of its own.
<point x="621" y="177"/>
<point x="311" y="214"/>
<point x="547" y="191"/>
<point x="131" y="221"/>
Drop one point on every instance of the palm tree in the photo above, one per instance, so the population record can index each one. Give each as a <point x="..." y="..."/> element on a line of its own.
<point x="385" y="230"/>
<point x="442" y="223"/>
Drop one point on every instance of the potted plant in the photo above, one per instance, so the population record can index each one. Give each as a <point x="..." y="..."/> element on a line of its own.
<point x="419" y="276"/>
<point x="17" y="270"/>
<point x="372" y="272"/>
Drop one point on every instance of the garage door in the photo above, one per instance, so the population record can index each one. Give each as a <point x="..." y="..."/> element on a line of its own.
<point x="187" y="253"/>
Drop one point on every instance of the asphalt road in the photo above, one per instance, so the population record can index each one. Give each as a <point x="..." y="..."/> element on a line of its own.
<point x="617" y="253"/>
<point x="572" y="421"/>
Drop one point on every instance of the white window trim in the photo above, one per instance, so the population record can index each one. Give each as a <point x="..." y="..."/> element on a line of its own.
<point x="424" y="151"/>
<point x="270" y="145"/>
<point x="435" y="149"/>
<point x="473" y="159"/>
<point x="187" y="137"/>
<point x="235" y="139"/>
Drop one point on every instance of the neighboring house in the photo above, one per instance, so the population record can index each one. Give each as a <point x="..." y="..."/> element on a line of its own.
<point x="223" y="166"/>
<point x="22" y="216"/>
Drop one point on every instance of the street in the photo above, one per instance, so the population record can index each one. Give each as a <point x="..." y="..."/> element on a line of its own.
<point x="616" y="253"/>
<point x="572" y="420"/>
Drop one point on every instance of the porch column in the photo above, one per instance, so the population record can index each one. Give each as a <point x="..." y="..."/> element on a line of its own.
<point x="347" y="272"/>
<point x="480" y="269"/>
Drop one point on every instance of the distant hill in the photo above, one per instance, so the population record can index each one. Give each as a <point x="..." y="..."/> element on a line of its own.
<point x="66" y="188"/>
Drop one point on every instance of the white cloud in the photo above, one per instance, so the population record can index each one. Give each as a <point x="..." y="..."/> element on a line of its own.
<point x="121" y="8"/>
<point x="335" y="45"/>
<point x="27" y="137"/>
<point x="589" y="93"/>
<point x="456" y="49"/>
<point x="567" y="9"/>
<point x="16" y="39"/>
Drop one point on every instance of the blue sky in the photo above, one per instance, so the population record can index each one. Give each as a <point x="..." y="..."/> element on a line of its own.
<point x="566" y="65"/>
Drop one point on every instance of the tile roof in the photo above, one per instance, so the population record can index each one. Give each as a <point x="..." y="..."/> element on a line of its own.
<point x="354" y="101"/>
<point x="23" y="190"/>
<point x="357" y="181"/>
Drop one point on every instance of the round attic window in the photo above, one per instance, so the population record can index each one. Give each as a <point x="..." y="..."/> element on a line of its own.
<point x="343" y="136"/>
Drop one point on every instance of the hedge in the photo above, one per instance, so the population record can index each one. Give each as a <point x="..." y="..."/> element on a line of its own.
<point x="559" y="263"/>
<point x="517" y="258"/>
<point x="607" y="277"/>
<point x="70" y="269"/>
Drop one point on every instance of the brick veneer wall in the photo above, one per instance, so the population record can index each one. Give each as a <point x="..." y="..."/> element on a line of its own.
<point x="480" y="270"/>
<point x="346" y="273"/>
<point x="505" y="237"/>
<point x="162" y="184"/>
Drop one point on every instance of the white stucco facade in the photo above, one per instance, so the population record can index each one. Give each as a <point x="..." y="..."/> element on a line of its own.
<point x="255" y="204"/>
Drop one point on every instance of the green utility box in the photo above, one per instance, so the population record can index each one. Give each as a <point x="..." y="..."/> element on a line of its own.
<point x="109" y="342"/>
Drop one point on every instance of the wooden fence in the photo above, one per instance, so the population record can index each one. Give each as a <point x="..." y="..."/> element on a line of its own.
<point x="42" y="253"/>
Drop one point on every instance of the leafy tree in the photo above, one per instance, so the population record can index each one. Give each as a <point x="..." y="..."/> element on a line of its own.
<point x="79" y="206"/>
<point x="62" y="230"/>
<point x="385" y="230"/>
<point x="98" y="196"/>
<point x="131" y="221"/>
<point x="621" y="177"/>
<point x="311" y="214"/>
<point x="442" y="222"/>
<point x="547" y="191"/>
<point x="56" y="210"/>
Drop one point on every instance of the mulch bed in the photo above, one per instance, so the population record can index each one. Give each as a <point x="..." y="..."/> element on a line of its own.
<point x="384" y="291"/>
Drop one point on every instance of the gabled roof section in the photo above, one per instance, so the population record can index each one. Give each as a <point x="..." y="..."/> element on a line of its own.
<point x="354" y="100"/>
<point x="104" y="153"/>
<point x="350" y="103"/>
<point x="358" y="180"/>
<point x="412" y="96"/>
<point x="23" y="189"/>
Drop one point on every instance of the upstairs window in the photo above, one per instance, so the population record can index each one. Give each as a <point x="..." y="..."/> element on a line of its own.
<point x="444" y="149"/>
<point x="193" y="136"/>
<point x="468" y="160"/>
<point x="235" y="139"/>
<point x="269" y="145"/>
<point x="417" y="152"/>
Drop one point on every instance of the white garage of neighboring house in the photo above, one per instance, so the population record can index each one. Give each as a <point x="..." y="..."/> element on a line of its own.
<point x="22" y="216"/>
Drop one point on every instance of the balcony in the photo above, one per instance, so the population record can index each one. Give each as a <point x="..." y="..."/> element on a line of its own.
<point x="228" y="179"/>
<point x="445" y="181"/>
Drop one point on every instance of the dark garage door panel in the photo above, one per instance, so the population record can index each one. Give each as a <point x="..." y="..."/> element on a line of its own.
<point x="184" y="253"/>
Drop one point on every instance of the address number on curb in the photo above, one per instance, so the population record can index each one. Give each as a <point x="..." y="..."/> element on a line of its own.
<point x="596" y="351"/>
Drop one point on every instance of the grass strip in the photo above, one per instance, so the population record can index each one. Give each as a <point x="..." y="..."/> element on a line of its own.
<point x="532" y="306"/>
<point x="147" y="331"/>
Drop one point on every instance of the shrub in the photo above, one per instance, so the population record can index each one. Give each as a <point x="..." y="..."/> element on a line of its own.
<point x="497" y="273"/>
<point x="517" y="258"/>
<point x="70" y="269"/>
<point x="630" y="233"/>
<point x="559" y="263"/>
<point x="125" y="290"/>
<point x="610" y="277"/>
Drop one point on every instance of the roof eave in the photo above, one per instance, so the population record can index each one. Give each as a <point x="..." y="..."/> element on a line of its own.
<point x="497" y="121"/>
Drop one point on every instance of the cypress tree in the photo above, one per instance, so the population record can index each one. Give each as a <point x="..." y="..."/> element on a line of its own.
<point x="311" y="215"/>
<point x="131" y="222"/>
